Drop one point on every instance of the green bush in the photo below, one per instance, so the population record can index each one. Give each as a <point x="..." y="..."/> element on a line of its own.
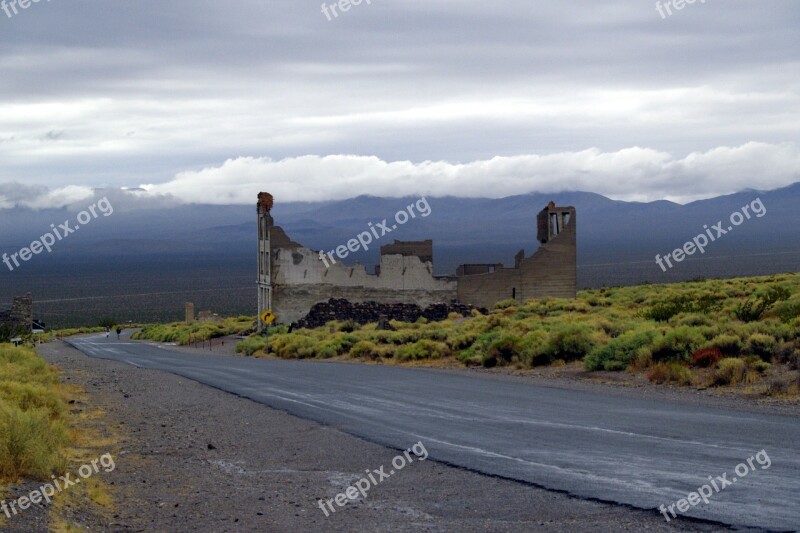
<point x="33" y="431"/>
<point x="33" y="397"/>
<point x="730" y="371"/>
<point x="677" y="344"/>
<point x="423" y="349"/>
<point x="364" y="350"/>
<point x="183" y="333"/>
<point x="665" y="310"/>
<point x="292" y="346"/>
<point x="505" y="304"/>
<point x="502" y="351"/>
<point x="787" y="311"/>
<point x="458" y="339"/>
<point x="620" y="352"/>
<point x="570" y="342"/>
<point x="752" y="310"/>
<point x="729" y="345"/>
<point x="757" y="365"/>
<point x="672" y="372"/>
<point x="534" y="349"/>
<point x="339" y="344"/>
<point x="31" y="444"/>
<point x="251" y="345"/>
<point x="762" y="345"/>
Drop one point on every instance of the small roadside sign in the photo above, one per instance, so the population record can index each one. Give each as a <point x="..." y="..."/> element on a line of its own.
<point x="268" y="317"/>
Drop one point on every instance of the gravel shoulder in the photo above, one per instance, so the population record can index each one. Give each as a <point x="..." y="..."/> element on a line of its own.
<point x="192" y="457"/>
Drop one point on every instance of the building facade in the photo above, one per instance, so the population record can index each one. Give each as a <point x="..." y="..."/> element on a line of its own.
<point x="292" y="278"/>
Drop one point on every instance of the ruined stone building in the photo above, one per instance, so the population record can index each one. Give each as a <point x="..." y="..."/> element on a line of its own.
<point x="18" y="320"/>
<point x="292" y="278"/>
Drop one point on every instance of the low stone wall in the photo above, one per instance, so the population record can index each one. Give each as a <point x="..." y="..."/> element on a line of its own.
<point x="366" y="312"/>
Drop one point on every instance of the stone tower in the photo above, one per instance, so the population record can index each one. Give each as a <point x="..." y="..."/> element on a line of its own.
<point x="189" y="312"/>
<point x="264" y="206"/>
<point x="22" y="314"/>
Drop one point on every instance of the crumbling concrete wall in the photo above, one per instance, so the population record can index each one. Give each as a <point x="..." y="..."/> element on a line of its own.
<point x="300" y="280"/>
<point x="550" y="271"/>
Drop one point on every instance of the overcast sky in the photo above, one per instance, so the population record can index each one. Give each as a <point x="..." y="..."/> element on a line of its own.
<point x="214" y="101"/>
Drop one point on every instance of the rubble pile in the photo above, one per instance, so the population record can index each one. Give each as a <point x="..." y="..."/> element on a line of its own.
<point x="364" y="313"/>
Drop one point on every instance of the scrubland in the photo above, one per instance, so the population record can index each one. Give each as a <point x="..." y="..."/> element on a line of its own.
<point x="704" y="333"/>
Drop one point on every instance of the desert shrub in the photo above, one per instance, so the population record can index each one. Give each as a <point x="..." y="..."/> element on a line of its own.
<point x="784" y="351"/>
<point x="31" y="444"/>
<point x="706" y="357"/>
<point x="424" y="349"/>
<point x="663" y="311"/>
<point x="504" y="304"/>
<point x="666" y="309"/>
<point x="251" y="345"/>
<point x="762" y="345"/>
<point x="469" y="357"/>
<point x="347" y="326"/>
<point x="33" y="432"/>
<point x="434" y="333"/>
<point x="749" y="310"/>
<point x="730" y="371"/>
<point x="609" y="328"/>
<point x="620" y="352"/>
<point x="387" y="351"/>
<point x="458" y="339"/>
<point x="672" y="372"/>
<point x="183" y="333"/>
<point x="293" y="346"/>
<point x="729" y="345"/>
<point x="502" y="351"/>
<point x="332" y="347"/>
<point x="692" y="319"/>
<point x="787" y="311"/>
<point x="533" y="349"/>
<point x="642" y="360"/>
<point x="363" y="350"/>
<point x="576" y="306"/>
<point x="32" y="397"/>
<point x="497" y="322"/>
<point x="403" y="336"/>
<point x="756" y="365"/>
<point x="570" y="342"/>
<point x="483" y="341"/>
<point x="753" y="309"/>
<point x="678" y="343"/>
<point x="794" y="360"/>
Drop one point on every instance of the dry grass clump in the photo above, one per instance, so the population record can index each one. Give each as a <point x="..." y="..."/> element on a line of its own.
<point x="33" y="427"/>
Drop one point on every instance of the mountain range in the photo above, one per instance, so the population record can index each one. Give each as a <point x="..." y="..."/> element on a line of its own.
<point x="192" y="250"/>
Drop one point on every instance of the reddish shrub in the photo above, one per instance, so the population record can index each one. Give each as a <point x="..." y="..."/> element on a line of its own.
<point x="707" y="357"/>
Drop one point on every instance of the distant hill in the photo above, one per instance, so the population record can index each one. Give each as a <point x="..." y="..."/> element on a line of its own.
<point x="166" y="247"/>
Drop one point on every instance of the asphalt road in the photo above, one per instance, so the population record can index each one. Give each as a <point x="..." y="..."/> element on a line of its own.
<point x="636" y="452"/>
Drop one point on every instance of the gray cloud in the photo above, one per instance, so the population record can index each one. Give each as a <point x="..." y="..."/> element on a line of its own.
<point x="141" y="92"/>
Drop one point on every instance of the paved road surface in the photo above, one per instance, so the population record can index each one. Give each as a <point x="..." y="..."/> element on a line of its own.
<point x="636" y="452"/>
